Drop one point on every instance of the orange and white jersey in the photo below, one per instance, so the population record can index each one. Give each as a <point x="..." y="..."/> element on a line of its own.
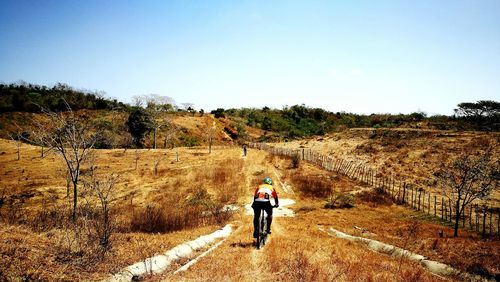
<point x="264" y="192"/>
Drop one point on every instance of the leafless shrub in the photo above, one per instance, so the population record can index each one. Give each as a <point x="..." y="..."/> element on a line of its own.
<point x="375" y="197"/>
<point x="311" y="186"/>
<point x="472" y="175"/>
<point x="407" y="235"/>
<point x="99" y="192"/>
<point x="301" y="269"/>
<point x="340" y="200"/>
<point x="156" y="164"/>
<point x="50" y="217"/>
<point x="198" y="210"/>
<point x="12" y="210"/>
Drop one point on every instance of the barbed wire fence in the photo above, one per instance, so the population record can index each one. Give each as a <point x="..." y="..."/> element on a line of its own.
<point x="476" y="217"/>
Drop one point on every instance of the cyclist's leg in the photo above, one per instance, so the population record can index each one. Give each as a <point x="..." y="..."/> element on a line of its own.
<point x="256" y="214"/>
<point x="269" y="211"/>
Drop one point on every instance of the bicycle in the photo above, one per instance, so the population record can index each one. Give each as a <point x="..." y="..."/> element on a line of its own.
<point x="262" y="236"/>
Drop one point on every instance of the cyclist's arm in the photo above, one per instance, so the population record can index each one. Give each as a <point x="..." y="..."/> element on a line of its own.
<point x="256" y="192"/>
<point x="275" y="196"/>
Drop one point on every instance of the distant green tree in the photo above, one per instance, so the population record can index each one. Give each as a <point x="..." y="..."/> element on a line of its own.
<point x="139" y="123"/>
<point x="219" y="113"/>
<point x="483" y="108"/>
<point x="483" y="115"/>
<point x="26" y="97"/>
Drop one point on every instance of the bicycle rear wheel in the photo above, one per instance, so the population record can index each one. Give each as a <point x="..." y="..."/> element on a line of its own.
<point x="261" y="239"/>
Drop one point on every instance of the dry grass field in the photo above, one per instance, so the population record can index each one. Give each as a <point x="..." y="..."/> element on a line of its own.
<point x="34" y="194"/>
<point x="409" y="155"/>
<point x="162" y="201"/>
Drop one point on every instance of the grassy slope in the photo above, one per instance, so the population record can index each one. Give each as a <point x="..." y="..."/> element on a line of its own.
<point x="410" y="155"/>
<point x="188" y="125"/>
<point x="297" y="250"/>
<point x="41" y="184"/>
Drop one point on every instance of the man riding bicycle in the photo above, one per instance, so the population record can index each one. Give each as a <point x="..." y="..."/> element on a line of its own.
<point x="262" y="201"/>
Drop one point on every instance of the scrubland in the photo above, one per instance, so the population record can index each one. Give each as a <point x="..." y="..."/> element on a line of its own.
<point x="162" y="201"/>
<point x="409" y="155"/>
<point x="157" y="204"/>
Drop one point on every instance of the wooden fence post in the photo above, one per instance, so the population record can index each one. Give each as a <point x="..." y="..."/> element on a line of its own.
<point x="419" y="194"/>
<point x="484" y="222"/>
<point x="451" y="209"/>
<point x="470" y="218"/>
<point x="393" y="192"/>
<point x="498" y="224"/>
<point x="477" y="219"/>
<point x="429" y="203"/>
<point x="435" y="202"/>
<point x="391" y="187"/>
<point x="463" y="218"/>
<point x="412" y="197"/>
<point x="446" y="211"/>
<point x="442" y="209"/>
<point x="423" y="201"/>
<point x="491" y="222"/>
<point x="404" y="191"/>
<point x="399" y="193"/>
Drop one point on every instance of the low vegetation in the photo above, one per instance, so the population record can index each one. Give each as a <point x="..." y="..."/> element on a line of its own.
<point x="111" y="211"/>
<point x="312" y="186"/>
<point x="126" y="205"/>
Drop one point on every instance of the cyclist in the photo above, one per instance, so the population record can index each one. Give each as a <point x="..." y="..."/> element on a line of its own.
<point x="262" y="201"/>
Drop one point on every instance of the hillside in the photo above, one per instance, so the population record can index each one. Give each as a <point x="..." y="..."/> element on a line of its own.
<point x="162" y="201"/>
<point x="181" y="129"/>
<point x="411" y="155"/>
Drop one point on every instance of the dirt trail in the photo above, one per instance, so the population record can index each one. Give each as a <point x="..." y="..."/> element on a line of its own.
<point x="237" y="259"/>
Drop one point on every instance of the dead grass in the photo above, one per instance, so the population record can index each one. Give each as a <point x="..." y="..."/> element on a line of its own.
<point x="36" y="203"/>
<point x="312" y="186"/>
<point x="410" y="155"/>
<point x="375" y="197"/>
<point x="200" y="209"/>
<point x="297" y="250"/>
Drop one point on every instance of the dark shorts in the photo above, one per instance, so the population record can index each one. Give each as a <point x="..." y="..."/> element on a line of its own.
<point x="258" y="206"/>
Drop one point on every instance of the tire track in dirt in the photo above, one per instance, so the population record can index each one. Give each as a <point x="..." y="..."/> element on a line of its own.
<point x="237" y="259"/>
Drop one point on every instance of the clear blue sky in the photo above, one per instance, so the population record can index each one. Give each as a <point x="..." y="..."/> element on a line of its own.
<point x="355" y="56"/>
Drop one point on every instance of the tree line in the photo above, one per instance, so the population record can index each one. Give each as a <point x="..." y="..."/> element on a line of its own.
<point x="299" y="120"/>
<point x="290" y="122"/>
<point x="27" y="97"/>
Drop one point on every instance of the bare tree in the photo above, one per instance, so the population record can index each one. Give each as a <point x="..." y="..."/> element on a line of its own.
<point x="157" y="161"/>
<point x="472" y="175"/>
<point x="16" y="137"/>
<point x="100" y="192"/>
<point x="71" y="137"/>
<point x="156" y="106"/>
<point x="170" y="135"/>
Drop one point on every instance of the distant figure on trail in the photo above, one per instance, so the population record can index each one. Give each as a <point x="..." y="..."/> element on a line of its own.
<point x="245" y="150"/>
<point x="262" y="201"/>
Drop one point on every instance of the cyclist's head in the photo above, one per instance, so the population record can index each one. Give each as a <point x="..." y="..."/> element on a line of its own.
<point x="268" y="180"/>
